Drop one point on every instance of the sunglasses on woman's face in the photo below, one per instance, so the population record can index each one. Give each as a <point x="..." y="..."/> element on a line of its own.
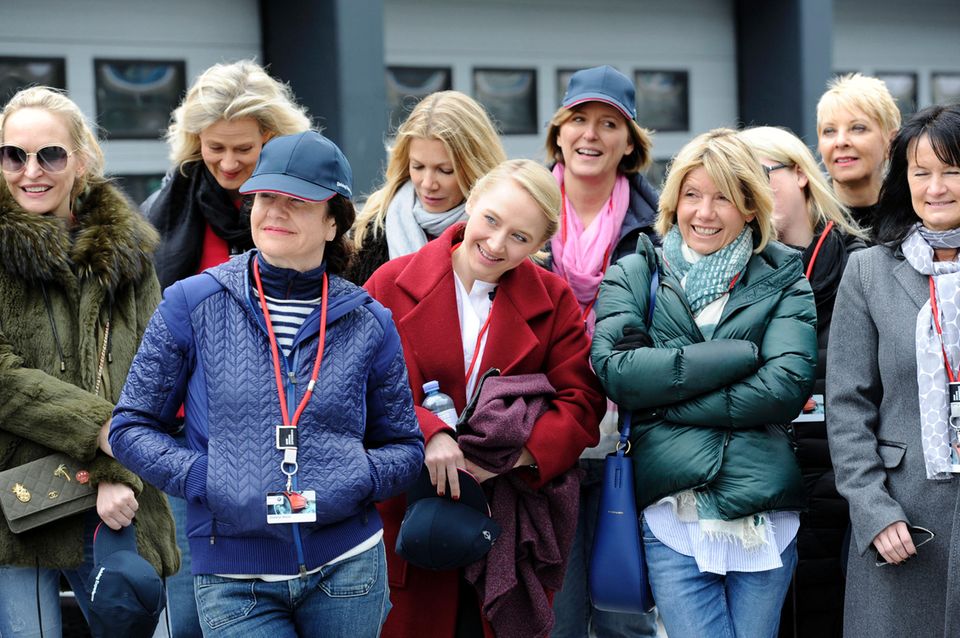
<point x="52" y="159"/>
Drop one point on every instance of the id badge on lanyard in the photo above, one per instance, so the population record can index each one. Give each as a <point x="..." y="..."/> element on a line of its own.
<point x="290" y="505"/>
<point x="953" y="386"/>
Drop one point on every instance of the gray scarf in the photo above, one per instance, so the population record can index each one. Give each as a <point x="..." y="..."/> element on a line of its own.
<point x="936" y="435"/>
<point x="408" y="224"/>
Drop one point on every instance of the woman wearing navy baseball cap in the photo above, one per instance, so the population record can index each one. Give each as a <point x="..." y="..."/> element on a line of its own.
<point x="599" y="153"/>
<point x="298" y="414"/>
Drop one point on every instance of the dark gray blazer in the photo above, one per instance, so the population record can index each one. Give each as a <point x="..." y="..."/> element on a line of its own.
<point x="874" y="434"/>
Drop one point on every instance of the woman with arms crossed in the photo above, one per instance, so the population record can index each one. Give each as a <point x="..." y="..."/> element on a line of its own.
<point x="727" y="358"/>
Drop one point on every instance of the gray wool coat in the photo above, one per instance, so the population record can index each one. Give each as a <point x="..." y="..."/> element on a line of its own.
<point x="874" y="435"/>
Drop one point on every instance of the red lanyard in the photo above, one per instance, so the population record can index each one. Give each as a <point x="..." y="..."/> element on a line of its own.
<point x="276" y="353"/>
<point x="936" y="322"/>
<point x="563" y="238"/>
<point x="816" y="249"/>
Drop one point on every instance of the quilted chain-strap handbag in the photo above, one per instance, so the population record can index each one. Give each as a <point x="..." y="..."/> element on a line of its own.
<point x="50" y="488"/>
<point x="45" y="490"/>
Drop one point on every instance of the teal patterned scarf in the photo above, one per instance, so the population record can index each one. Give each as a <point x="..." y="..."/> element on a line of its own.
<point x="710" y="277"/>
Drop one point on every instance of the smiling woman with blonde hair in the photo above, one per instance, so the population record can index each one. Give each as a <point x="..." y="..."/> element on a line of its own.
<point x="215" y="137"/>
<point x="469" y="301"/>
<point x="726" y="359"/>
<point x="856" y="120"/>
<point x="77" y="288"/>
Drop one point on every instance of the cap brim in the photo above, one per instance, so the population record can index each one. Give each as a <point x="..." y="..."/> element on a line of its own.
<point x="471" y="492"/>
<point x="593" y="97"/>
<point x="286" y="185"/>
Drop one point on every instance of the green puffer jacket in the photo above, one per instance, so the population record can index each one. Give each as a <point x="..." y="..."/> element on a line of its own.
<point x="56" y="294"/>
<point x="712" y="415"/>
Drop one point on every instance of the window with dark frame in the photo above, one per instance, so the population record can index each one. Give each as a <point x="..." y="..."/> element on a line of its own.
<point x="510" y="96"/>
<point x="18" y="73"/>
<point x="407" y="85"/>
<point x="135" y="97"/>
<point x="663" y="99"/>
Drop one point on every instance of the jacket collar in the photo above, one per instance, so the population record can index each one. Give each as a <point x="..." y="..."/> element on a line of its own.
<point x="111" y="243"/>
<point x="433" y="324"/>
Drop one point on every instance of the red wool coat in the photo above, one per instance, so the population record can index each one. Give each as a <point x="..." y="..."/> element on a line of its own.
<point x="536" y="327"/>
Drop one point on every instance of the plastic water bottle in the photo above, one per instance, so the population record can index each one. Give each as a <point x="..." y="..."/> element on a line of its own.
<point x="440" y="403"/>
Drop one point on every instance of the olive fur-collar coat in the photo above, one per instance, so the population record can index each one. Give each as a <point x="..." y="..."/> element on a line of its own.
<point x="58" y="289"/>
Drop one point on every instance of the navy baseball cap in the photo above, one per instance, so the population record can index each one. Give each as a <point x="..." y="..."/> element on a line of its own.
<point x="126" y="593"/>
<point x="602" y="84"/>
<point x="440" y="533"/>
<point x="306" y="166"/>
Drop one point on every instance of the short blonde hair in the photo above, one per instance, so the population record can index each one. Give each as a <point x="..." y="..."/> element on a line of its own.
<point x="230" y="92"/>
<point x="735" y="170"/>
<point x="634" y="162"/>
<point x="466" y="132"/>
<point x="82" y="138"/>
<point x="535" y="180"/>
<point x="823" y="205"/>
<point x="862" y="93"/>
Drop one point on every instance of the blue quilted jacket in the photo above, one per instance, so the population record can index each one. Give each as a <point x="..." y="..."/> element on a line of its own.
<point x="207" y="348"/>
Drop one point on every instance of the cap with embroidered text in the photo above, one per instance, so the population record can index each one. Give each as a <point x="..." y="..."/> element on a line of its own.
<point x="307" y="166"/>
<point x="602" y="84"/>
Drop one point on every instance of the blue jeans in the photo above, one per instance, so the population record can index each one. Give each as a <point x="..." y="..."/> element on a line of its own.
<point x="180" y="597"/>
<point x="22" y="588"/>
<point x="693" y="604"/>
<point x="575" y="615"/>
<point x="349" y="599"/>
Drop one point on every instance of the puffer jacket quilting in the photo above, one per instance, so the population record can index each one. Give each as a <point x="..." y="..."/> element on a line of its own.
<point x="359" y="439"/>
<point x="711" y="412"/>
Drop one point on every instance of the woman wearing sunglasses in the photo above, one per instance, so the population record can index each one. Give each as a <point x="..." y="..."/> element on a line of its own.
<point x="215" y="139"/>
<point x="77" y="288"/>
<point x="466" y="302"/>
<point x="892" y="396"/>
<point x="808" y="216"/>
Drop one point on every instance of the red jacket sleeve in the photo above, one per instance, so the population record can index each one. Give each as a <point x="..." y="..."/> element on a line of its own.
<point x="572" y="423"/>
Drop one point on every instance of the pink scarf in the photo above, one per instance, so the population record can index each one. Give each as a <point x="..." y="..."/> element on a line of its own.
<point x="582" y="258"/>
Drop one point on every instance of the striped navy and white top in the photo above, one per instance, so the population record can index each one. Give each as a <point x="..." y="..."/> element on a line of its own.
<point x="287" y="315"/>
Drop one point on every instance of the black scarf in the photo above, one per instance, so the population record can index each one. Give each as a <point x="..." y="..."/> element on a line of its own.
<point x="180" y="210"/>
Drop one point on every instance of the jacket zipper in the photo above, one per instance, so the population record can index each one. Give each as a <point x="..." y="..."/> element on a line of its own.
<point x="291" y="391"/>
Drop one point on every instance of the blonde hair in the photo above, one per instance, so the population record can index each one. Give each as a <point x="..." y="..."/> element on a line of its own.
<point x="735" y="170"/>
<point x="469" y="137"/>
<point x="82" y="138"/>
<point x="536" y="181"/>
<point x="863" y="93"/>
<point x="230" y="92"/>
<point x="823" y="205"/>
<point x="634" y="162"/>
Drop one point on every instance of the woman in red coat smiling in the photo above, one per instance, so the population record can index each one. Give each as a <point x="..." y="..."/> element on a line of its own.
<point x="468" y="301"/>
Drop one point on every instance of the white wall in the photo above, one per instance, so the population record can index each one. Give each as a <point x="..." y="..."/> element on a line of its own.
<point x="697" y="35"/>
<point x="201" y="32"/>
<point x="920" y="36"/>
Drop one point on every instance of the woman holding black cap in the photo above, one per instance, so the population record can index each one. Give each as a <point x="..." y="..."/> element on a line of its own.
<point x="77" y="288"/>
<point x="469" y="301"/>
<point x="298" y="416"/>
<point x="599" y="152"/>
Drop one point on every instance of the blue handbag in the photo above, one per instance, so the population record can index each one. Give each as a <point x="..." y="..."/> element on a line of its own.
<point x="618" y="579"/>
